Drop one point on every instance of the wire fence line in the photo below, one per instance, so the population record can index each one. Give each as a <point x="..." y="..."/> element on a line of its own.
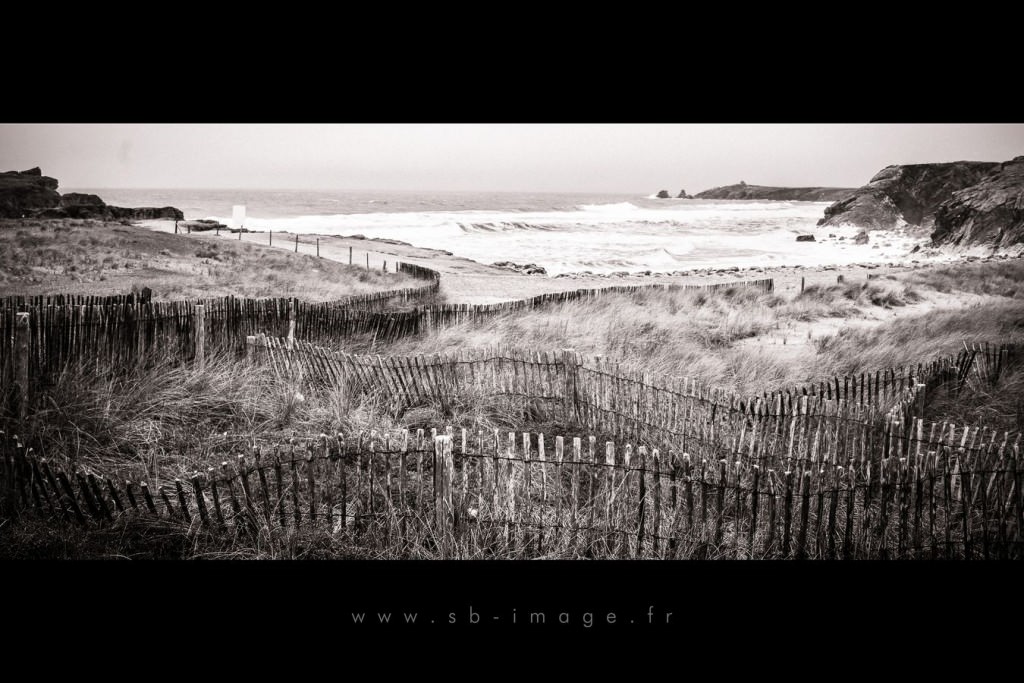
<point x="485" y="492"/>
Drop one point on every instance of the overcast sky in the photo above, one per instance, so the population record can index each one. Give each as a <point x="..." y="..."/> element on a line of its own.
<point x="515" y="157"/>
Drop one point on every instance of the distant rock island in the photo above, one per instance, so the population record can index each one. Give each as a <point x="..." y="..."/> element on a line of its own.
<point x="664" y="194"/>
<point x="792" y="194"/>
<point x="30" y="194"/>
<point x="741" y="190"/>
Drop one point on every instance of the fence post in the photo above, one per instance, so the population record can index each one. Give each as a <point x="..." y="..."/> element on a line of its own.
<point x="318" y="247"/>
<point x="21" y="358"/>
<point x="291" y="324"/>
<point x="443" y="510"/>
<point x="200" y="329"/>
<point x="350" y="256"/>
<point x="571" y="372"/>
<point x="270" y="238"/>
<point x="296" y="243"/>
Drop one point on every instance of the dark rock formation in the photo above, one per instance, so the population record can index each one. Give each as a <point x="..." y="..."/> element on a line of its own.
<point x="805" y="238"/>
<point x="201" y="225"/>
<point x="22" y="193"/>
<point x="527" y="269"/>
<point x="146" y="213"/>
<point x="792" y="194"/>
<point x="909" y="193"/>
<point x="103" y="212"/>
<point x="682" y="195"/>
<point x="990" y="212"/>
<point x="664" y="195"/>
<point x="79" y="199"/>
<point x="33" y="195"/>
<point x="861" y="237"/>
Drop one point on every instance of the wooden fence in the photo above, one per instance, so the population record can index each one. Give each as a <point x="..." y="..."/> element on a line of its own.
<point x="117" y="334"/>
<point x="121" y="330"/>
<point x="985" y="361"/>
<point x="599" y="393"/>
<point x="24" y="303"/>
<point x="475" y="493"/>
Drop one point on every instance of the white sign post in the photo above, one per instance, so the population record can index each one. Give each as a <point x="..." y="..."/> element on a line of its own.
<point x="238" y="215"/>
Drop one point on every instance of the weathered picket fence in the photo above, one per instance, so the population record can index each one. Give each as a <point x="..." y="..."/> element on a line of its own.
<point x="599" y="395"/>
<point x="23" y="302"/>
<point x="54" y="331"/>
<point x="475" y="492"/>
<point x="118" y="335"/>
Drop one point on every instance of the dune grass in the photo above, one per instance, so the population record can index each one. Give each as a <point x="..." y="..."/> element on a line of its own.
<point x="992" y="278"/>
<point x="157" y="421"/>
<point x="672" y="333"/>
<point x="95" y="257"/>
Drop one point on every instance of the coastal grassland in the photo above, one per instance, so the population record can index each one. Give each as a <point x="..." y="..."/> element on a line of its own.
<point x="94" y="257"/>
<point x="993" y="278"/>
<point x="676" y="333"/>
<point x="722" y="340"/>
<point x="159" y="420"/>
<point x="162" y="420"/>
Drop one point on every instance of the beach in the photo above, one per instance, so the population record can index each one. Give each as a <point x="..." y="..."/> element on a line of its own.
<point x="466" y="281"/>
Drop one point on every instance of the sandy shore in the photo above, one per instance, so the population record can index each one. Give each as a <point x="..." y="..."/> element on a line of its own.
<point x="467" y="281"/>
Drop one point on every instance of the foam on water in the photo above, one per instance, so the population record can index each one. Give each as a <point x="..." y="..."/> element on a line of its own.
<point x="563" y="233"/>
<point x="620" y="236"/>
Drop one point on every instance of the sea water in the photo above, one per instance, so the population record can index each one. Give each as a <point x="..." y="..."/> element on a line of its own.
<point x="562" y="232"/>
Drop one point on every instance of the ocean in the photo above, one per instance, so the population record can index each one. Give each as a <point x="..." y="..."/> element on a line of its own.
<point x="563" y="232"/>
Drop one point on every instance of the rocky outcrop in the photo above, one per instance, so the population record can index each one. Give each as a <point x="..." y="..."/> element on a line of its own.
<point x="988" y="213"/>
<point x="682" y="195"/>
<point x="30" y="194"/>
<point x="202" y="225"/>
<point x="78" y="199"/>
<point x="527" y="269"/>
<point x="910" y="195"/>
<point x="23" y="193"/>
<point x="790" y="194"/>
<point x="663" y="194"/>
<point x="805" y="238"/>
<point x="146" y="213"/>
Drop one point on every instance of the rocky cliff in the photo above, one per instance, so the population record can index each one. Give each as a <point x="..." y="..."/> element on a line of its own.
<point x="793" y="194"/>
<point x="24" y="192"/>
<point x="30" y="194"/>
<point x="905" y="194"/>
<point x="988" y="213"/>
